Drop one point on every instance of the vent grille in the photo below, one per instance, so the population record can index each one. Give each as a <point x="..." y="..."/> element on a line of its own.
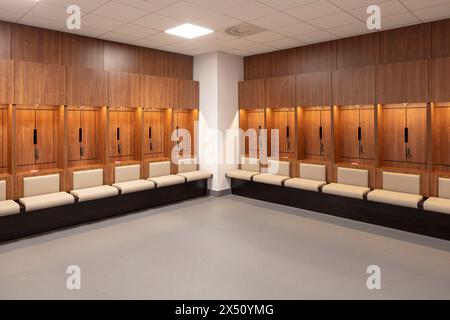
<point x="244" y="29"/>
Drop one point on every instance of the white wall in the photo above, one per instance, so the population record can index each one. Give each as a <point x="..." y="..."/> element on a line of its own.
<point x="218" y="74"/>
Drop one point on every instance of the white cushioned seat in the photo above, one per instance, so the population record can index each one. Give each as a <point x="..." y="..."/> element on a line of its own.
<point x="278" y="173"/>
<point x="47" y="201"/>
<point x="249" y="168"/>
<point x="312" y="177"/>
<point x="159" y="173"/>
<point x="441" y="204"/>
<point x="187" y="168"/>
<point x="93" y="193"/>
<point x="7" y="207"/>
<point x="134" y="186"/>
<point x="352" y="183"/>
<point x="42" y="192"/>
<point x="395" y="198"/>
<point x="88" y="185"/>
<point x="398" y="189"/>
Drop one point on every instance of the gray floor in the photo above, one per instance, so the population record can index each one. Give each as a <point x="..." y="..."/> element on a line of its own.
<point x="226" y="248"/>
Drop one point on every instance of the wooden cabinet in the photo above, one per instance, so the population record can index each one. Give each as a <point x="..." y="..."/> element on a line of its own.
<point x="440" y="80"/>
<point x="83" y="134"/>
<point x="316" y="132"/>
<point x="440" y="38"/>
<point x="158" y="92"/>
<point x="3" y="137"/>
<point x="402" y="82"/>
<point x="120" y="57"/>
<point x="314" y="89"/>
<point x="441" y="135"/>
<point x="121" y="133"/>
<point x="36" y="136"/>
<point x="183" y="123"/>
<point x="187" y="94"/>
<point x="124" y="90"/>
<point x="252" y="94"/>
<point x="37" y="83"/>
<point x="318" y="57"/>
<point x="356" y="133"/>
<point x="6" y="81"/>
<point x="405" y="134"/>
<point x="280" y="92"/>
<point x="5" y="40"/>
<point x="154" y="132"/>
<point x="86" y="87"/>
<point x="358" y="51"/>
<point x="82" y="52"/>
<point x="283" y="120"/>
<point x="252" y="121"/>
<point x="354" y="86"/>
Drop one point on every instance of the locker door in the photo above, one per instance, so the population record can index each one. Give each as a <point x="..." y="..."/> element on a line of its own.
<point x="280" y="122"/>
<point x="113" y="125"/>
<point x="417" y="145"/>
<point x="349" y="123"/>
<point x="311" y="126"/>
<point x="394" y="123"/>
<point x="3" y="136"/>
<point x="89" y="124"/>
<point x="366" y="122"/>
<point x="441" y="136"/>
<point x="183" y="120"/>
<point x="126" y="125"/>
<point x="25" y="124"/>
<point x="255" y="121"/>
<point x="46" y="136"/>
<point x="325" y="122"/>
<point x="73" y="126"/>
<point x="153" y="132"/>
<point x="291" y="126"/>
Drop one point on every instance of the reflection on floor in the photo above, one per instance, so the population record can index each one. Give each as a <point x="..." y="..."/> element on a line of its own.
<point x="226" y="248"/>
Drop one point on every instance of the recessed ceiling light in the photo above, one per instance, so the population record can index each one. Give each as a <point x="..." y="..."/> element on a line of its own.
<point x="189" y="31"/>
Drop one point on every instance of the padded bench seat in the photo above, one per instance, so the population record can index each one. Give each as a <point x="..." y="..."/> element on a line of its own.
<point x="352" y="183"/>
<point x="47" y="201"/>
<point x="134" y="186"/>
<point x="93" y="193"/>
<point x="312" y="178"/>
<point x="159" y="173"/>
<point x="249" y="168"/>
<point x="441" y="204"/>
<point x="278" y="173"/>
<point x="187" y="168"/>
<point x="346" y="190"/>
<point x="395" y="198"/>
<point x="166" y="181"/>
<point x="304" y="184"/>
<point x="8" y="207"/>
<point x="270" y="179"/>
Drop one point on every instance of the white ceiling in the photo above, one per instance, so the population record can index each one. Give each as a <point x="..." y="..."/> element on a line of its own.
<point x="289" y="23"/>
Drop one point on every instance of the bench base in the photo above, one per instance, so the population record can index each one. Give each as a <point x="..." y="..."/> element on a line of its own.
<point x="40" y="221"/>
<point x="402" y="218"/>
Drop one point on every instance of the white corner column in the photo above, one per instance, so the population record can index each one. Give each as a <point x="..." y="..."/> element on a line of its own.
<point x="218" y="74"/>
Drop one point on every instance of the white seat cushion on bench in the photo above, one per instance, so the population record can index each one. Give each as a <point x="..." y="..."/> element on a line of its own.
<point x="158" y="169"/>
<point x="279" y="168"/>
<point x="444" y="188"/>
<point x="8" y="207"/>
<point x="346" y="190"/>
<point x="395" y="198"/>
<point x="304" y="184"/>
<point x="250" y="164"/>
<point x="87" y="179"/>
<point x="40" y="185"/>
<point x="93" y="193"/>
<point x="195" y="175"/>
<point x="270" y="179"/>
<point x="353" y="177"/>
<point x="400" y="182"/>
<point x="134" y="186"/>
<point x="165" y="181"/>
<point x="241" y="174"/>
<point x="313" y="172"/>
<point x="437" y="205"/>
<point x="47" y="201"/>
<point x="187" y="165"/>
<point x="127" y="173"/>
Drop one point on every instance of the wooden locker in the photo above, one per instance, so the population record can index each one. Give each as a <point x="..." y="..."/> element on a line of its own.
<point x="417" y="125"/>
<point x="6" y="81"/>
<point x="153" y="132"/>
<point x="86" y="87"/>
<point x="90" y="126"/>
<point x="73" y="126"/>
<point x="252" y="94"/>
<point x="3" y="136"/>
<point x="284" y="121"/>
<point x="46" y="136"/>
<point x="255" y="121"/>
<point x="25" y="124"/>
<point x="325" y="123"/>
<point x="183" y="120"/>
<point x="367" y="145"/>
<point x="126" y="140"/>
<point x="311" y="127"/>
<point x="113" y="137"/>
<point x="349" y="123"/>
<point x="314" y="89"/>
<point x="441" y="136"/>
<point x="280" y="92"/>
<point x="394" y="124"/>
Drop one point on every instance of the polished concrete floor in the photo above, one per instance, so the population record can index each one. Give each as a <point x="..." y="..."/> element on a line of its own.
<point x="226" y="248"/>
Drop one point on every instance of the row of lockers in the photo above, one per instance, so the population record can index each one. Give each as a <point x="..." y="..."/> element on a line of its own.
<point x="410" y="82"/>
<point x="36" y="83"/>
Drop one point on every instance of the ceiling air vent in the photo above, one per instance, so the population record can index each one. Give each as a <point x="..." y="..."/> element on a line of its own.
<point x="244" y="29"/>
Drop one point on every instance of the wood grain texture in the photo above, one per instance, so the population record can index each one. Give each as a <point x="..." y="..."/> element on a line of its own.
<point x="124" y="90"/>
<point x="354" y="86"/>
<point x="88" y="121"/>
<point x="125" y="121"/>
<point x="440" y="38"/>
<point x="186" y="94"/>
<point x="280" y="92"/>
<point x="402" y="82"/>
<point x="281" y="120"/>
<point x="439" y="79"/>
<point x="348" y="133"/>
<point x="417" y="125"/>
<point x="441" y="135"/>
<point x="318" y="57"/>
<point x="3" y="137"/>
<point x="273" y="64"/>
<point x="252" y="94"/>
<point x="6" y="81"/>
<point x="35" y="44"/>
<point x="86" y="87"/>
<point x="5" y="40"/>
<point x="39" y="83"/>
<point x="367" y="124"/>
<point x="394" y="122"/>
<point x="314" y="89"/>
<point x="165" y="64"/>
<point x="356" y="52"/>
<point x="158" y="92"/>
<point x="120" y="57"/>
<point x="154" y="132"/>
<point x="404" y="44"/>
<point x="80" y="51"/>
